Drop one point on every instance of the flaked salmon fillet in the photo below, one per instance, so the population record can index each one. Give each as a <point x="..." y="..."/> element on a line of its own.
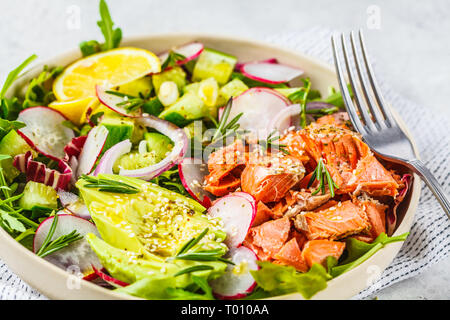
<point x="270" y="178"/>
<point x="291" y="255"/>
<point x="317" y="251"/>
<point x="339" y="221"/>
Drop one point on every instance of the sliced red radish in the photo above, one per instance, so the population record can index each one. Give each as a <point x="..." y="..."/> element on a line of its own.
<point x="192" y="174"/>
<point x="45" y="131"/>
<point x="259" y="106"/>
<point x="269" y="72"/>
<point x="110" y="157"/>
<point x="114" y="102"/>
<point x="78" y="254"/>
<point x="38" y="171"/>
<point x="240" y="64"/>
<point x="178" y="137"/>
<point x="190" y="51"/>
<point x="107" y="278"/>
<point x="74" y="204"/>
<point x="247" y="196"/>
<point x="92" y="149"/>
<point x="237" y="281"/>
<point x="237" y="214"/>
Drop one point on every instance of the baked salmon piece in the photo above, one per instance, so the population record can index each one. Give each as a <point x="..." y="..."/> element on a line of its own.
<point x="268" y="238"/>
<point x="317" y="251"/>
<point x="296" y="201"/>
<point x="271" y="177"/>
<point x="221" y="164"/>
<point x="339" y="221"/>
<point x="376" y="213"/>
<point x="291" y="255"/>
<point x="263" y="214"/>
<point x="339" y="119"/>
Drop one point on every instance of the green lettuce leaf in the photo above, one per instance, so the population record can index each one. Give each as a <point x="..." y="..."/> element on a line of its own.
<point x="274" y="280"/>
<point x="359" y="251"/>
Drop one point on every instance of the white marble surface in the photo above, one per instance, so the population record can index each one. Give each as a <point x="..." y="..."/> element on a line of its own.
<point x="411" y="46"/>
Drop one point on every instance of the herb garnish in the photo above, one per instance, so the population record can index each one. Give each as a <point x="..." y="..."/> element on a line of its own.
<point x="301" y="97"/>
<point x="108" y="185"/>
<point x="172" y="60"/>
<point x="226" y="128"/>
<point x="49" y="246"/>
<point x="269" y="144"/>
<point x="321" y="173"/>
<point x="130" y="103"/>
<point x="112" y="36"/>
<point x="193" y="269"/>
<point x="39" y="91"/>
<point x="201" y="255"/>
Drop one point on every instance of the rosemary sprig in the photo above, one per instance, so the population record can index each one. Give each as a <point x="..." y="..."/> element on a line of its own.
<point x="131" y="103"/>
<point x="109" y="185"/>
<point x="269" y="144"/>
<point x="226" y="128"/>
<point x="202" y="255"/>
<point x="193" y="269"/>
<point x="172" y="60"/>
<point x="322" y="175"/>
<point x="49" y="246"/>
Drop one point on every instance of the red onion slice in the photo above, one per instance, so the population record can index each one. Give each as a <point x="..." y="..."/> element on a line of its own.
<point x="110" y="157"/>
<point x="392" y="215"/>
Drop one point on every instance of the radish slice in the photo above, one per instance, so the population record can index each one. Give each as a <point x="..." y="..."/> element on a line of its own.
<point x="110" y="157"/>
<point x="38" y="172"/>
<point x="78" y="254"/>
<point x="237" y="281"/>
<point x="247" y="196"/>
<point x="113" y="102"/>
<point x="271" y="60"/>
<point x="286" y="118"/>
<point x="92" y="149"/>
<point x="107" y="278"/>
<point x="237" y="214"/>
<point x="179" y="138"/>
<point x="259" y="106"/>
<point x="45" y="131"/>
<point x="192" y="174"/>
<point x="190" y="51"/>
<point x="74" y="204"/>
<point x="268" y="72"/>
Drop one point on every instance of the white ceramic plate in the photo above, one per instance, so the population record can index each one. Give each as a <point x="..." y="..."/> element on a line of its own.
<point x="58" y="284"/>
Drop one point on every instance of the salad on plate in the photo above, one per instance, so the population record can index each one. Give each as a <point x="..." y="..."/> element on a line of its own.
<point x="189" y="174"/>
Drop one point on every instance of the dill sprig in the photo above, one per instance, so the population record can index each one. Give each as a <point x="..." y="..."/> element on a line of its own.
<point x="109" y="185"/>
<point x="322" y="175"/>
<point x="49" y="246"/>
<point x="269" y="144"/>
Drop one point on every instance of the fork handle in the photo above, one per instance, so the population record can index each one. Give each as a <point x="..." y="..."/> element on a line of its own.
<point x="418" y="167"/>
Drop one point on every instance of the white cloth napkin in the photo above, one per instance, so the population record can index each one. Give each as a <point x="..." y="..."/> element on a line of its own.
<point x="429" y="239"/>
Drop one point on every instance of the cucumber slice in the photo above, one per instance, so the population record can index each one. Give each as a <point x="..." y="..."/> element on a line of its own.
<point x="39" y="195"/>
<point x="175" y="74"/>
<point x="159" y="144"/>
<point x="188" y="108"/>
<point x="153" y="107"/>
<point x="135" y="160"/>
<point x="13" y="144"/>
<point x="216" y="64"/>
<point x="119" y="129"/>
<point x="232" y="89"/>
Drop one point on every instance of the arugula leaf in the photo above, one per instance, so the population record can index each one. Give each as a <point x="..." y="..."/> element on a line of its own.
<point x="11" y="223"/>
<point x="112" y="36"/>
<point x="172" y="59"/>
<point x="182" y="294"/>
<point x="170" y="180"/>
<point x="335" y="97"/>
<point x="359" y="251"/>
<point x="10" y="107"/>
<point x="275" y="280"/>
<point x="6" y="126"/>
<point x="301" y="97"/>
<point x="39" y="91"/>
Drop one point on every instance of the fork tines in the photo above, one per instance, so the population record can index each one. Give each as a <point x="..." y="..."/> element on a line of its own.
<point x="374" y="113"/>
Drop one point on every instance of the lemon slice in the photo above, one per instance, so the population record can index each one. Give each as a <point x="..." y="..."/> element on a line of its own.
<point x="109" y="69"/>
<point x="74" y="110"/>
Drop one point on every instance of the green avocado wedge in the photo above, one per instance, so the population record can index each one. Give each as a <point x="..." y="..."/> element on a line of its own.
<point x="144" y="233"/>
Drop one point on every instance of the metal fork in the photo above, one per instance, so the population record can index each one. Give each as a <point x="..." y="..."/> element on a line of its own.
<point x="372" y="117"/>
